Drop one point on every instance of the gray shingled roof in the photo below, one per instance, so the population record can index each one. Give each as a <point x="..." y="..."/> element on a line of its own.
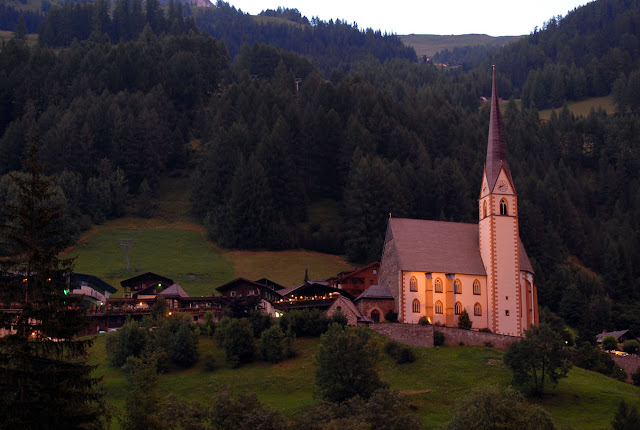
<point x="439" y="246"/>
<point x="616" y="334"/>
<point x="174" y="290"/>
<point x="376" y="292"/>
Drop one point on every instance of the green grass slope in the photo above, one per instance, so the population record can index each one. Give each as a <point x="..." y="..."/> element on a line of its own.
<point x="181" y="255"/>
<point x="172" y="244"/>
<point x="433" y="384"/>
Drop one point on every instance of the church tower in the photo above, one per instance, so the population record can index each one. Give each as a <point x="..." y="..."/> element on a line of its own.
<point x="508" y="304"/>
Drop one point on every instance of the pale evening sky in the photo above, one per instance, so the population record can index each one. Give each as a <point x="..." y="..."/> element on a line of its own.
<point x="492" y="17"/>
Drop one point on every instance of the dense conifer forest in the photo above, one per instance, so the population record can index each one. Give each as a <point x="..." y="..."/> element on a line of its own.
<point x="273" y="119"/>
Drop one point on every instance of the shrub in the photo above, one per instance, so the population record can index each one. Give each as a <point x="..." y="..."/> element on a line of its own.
<point x="636" y="377"/>
<point x="221" y="330"/>
<point x="130" y="340"/>
<point x="260" y="321"/>
<point x="438" y="338"/>
<point x="495" y="407"/>
<point x="209" y="325"/>
<point x="209" y="363"/>
<point x="184" y="345"/>
<point x="400" y="353"/>
<point x="631" y="346"/>
<point x="609" y="343"/>
<point x="391" y="348"/>
<point x="405" y="355"/>
<point x="273" y="344"/>
<point x="391" y="316"/>
<point x="488" y="344"/>
<point x="485" y="330"/>
<point x="339" y="317"/>
<point x="626" y="417"/>
<point x="590" y="357"/>
<point x="238" y="342"/>
<point x="308" y="322"/>
<point x="464" y="321"/>
<point x="346" y="361"/>
<point x="423" y="321"/>
<point x="384" y="410"/>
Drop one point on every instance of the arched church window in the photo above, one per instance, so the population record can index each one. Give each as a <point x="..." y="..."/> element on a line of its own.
<point x="477" y="309"/>
<point x="438" y="286"/>
<point x="458" y="308"/>
<point x="413" y="284"/>
<point x="375" y="315"/>
<point x="484" y="209"/>
<point x="503" y="207"/>
<point x="457" y="287"/>
<point x="438" y="307"/>
<point x="416" y="306"/>
<point x="476" y="287"/>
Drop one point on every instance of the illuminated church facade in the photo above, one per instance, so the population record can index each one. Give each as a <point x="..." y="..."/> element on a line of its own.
<point x="437" y="269"/>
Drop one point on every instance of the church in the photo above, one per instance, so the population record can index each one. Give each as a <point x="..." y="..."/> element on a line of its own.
<point x="437" y="269"/>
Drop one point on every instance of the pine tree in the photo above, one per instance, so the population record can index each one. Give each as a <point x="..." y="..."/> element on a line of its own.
<point x="44" y="379"/>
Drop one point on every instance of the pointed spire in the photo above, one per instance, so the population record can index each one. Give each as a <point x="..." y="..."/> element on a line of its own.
<point x="496" y="149"/>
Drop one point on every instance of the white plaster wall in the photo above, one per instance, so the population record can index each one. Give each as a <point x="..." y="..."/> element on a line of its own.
<point x="409" y="296"/>
<point x="468" y="299"/>
<point x="508" y="276"/>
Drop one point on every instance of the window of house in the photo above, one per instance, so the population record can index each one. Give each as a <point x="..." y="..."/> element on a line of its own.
<point x="457" y="287"/>
<point x="413" y="284"/>
<point x="503" y="207"/>
<point x="458" y="308"/>
<point x="375" y="271"/>
<point x="232" y="293"/>
<point x="438" y="307"/>
<point x="476" y="287"/>
<point x="416" y="306"/>
<point x="506" y="312"/>
<point x="438" y="286"/>
<point x="477" y="309"/>
<point x="484" y="209"/>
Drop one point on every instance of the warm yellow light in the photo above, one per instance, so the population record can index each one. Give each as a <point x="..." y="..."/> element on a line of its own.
<point x="169" y="313"/>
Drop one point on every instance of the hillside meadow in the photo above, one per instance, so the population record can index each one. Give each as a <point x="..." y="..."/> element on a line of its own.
<point x="172" y="244"/>
<point x="187" y="258"/>
<point x="433" y="384"/>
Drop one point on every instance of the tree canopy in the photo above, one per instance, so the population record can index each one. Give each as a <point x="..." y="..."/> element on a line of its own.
<point x="539" y="357"/>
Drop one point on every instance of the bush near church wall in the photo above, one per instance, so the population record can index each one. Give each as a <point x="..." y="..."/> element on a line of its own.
<point x="422" y="335"/>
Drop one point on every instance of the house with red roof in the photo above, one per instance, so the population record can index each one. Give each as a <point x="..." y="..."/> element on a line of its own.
<point x="437" y="269"/>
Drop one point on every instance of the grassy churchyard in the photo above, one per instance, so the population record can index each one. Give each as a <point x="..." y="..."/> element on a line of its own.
<point x="433" y="384"/>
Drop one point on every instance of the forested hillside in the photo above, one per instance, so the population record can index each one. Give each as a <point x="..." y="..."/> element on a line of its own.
<point x="588" y="53"/>
<point x="267" y="134"/>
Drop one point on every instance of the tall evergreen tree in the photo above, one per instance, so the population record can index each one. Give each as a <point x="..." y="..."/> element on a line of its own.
<point x="45" y="381"/>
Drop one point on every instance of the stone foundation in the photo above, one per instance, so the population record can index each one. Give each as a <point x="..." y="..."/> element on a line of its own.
<point x="422" y="335"/>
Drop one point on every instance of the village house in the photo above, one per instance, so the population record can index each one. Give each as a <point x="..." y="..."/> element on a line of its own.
<point x="356" y="281"/>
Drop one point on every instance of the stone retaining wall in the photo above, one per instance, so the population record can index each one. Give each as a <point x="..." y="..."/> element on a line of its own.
<point x="410" y="334"/>
<point x="422" y="335"/>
